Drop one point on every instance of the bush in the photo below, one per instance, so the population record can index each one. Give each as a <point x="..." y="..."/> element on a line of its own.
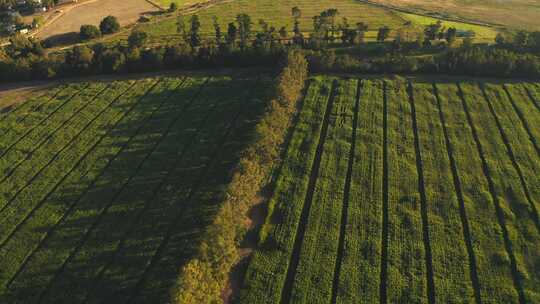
<point x="88" y="32"/>
<point x="137" y="39"/>
<point x="109" y="25"/>
<point x="173" y="7"/>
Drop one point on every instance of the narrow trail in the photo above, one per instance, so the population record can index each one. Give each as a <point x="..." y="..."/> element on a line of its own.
<point x="463" y="214"/>
<point x="512" y="157"/>
<point x="344" y="212"/>
<point x="498" y="208"/>
<point x="295" y="256"/>
<point x="384" y="234"/>
<point x="523" y="120"/>
<point x="423" y="199"/>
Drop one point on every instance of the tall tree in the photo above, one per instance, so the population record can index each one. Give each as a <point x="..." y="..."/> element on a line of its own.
<point x="194" y="35"/>
<point x="383" y="33"/>
<point x="217" y="30"/>
<point x="361" y="29"/>
<point x="232" y="33"/>
<point x="244" y="29"/>
<point x="451" y="35"/>
<point x="181" y="29"/>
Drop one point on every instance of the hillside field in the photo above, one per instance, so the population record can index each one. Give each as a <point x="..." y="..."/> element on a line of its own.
<point x="522" y="14"/>
<point x="106" y="186"/>
<point x="405" y="191"/>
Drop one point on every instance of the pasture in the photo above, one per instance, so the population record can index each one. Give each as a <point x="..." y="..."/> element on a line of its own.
<point x="106" y="186"/>
<point x="405" y="191"/>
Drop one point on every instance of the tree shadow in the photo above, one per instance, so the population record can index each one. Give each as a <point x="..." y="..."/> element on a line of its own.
<point x="128" y="209"/>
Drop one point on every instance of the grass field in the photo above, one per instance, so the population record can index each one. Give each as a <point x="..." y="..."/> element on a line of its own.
<point x="512" y="13"/>
<point x="278" y="13"/>
<point x="405" y="192"/>
<point x="106" y="186"/>
<point x="482" y="33"/>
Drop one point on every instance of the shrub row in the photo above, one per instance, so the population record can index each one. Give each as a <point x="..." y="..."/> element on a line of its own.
<point x="203" y="278"/>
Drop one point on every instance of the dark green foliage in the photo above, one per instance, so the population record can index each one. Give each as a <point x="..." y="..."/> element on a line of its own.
<point x="109" y="25"/>
<point x="88" y="32"/>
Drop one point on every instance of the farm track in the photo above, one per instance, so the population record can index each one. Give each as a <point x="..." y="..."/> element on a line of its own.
<point x="383" y="293"/>
<point x="299" y="235"/>
<point x="47" y="140"/>
<point x="423" y="199"/>
<point x="491" y="186"/>
<point x="523" y="120"/>
<point x="462" y="211"/>
<point x="512" y="157"/>
<point x="346" y="197"/>
<point x="46" y="118"/>
<point x="50" y="231"/>
<point x="159" y="253"/>
<point x="61" y="180"/>
<point x="108" y="205"/>
<point x="180" y="152"/>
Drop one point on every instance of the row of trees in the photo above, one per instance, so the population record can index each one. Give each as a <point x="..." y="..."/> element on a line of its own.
<point x="240" y="45"/>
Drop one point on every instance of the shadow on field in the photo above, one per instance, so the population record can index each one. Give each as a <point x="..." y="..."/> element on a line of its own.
<point x="129" y="233"/>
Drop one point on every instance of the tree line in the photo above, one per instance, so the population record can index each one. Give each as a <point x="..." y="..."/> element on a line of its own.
<point x="240" y="45"/>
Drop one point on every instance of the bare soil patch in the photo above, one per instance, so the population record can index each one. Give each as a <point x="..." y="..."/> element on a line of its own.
<point x="92" y="12"/>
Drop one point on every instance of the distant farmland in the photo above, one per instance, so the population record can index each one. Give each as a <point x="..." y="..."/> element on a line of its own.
<point x="106" y="186"/>
<point x="398" y="192"/>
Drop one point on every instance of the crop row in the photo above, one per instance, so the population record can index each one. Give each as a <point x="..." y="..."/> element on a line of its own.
<point x="313" y="279"/>
<point x="515" y="210"/>
<point x="267" y="271"/>
<point x="180" y="225"/>
<point x="37" y="121"/>
<point x="361" y="263"/>
<point x="106" y="142"/>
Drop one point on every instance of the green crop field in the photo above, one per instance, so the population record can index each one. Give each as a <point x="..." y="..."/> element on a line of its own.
<point x="106" y="186"/>
<point x="405" y="191"/>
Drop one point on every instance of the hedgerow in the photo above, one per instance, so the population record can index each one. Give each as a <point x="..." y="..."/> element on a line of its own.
<point x="203" y="278"/>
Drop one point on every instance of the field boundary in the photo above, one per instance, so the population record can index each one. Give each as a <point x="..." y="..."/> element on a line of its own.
<point x="512" y="156"/>
<point x="346" y="196"/>
<point x="299" y="236"/>
<point x="494" y="197"/>
<point x="462" y="211"/>
<point x="423" y="199"/>
<point x="383" y="295"/>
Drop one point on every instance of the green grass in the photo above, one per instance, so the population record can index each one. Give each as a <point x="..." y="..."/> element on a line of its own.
<point x="278" y="13"/>
<point x="482" y="33"/>
<point x="93" y="204"/>
<point x="453" y="188"/>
